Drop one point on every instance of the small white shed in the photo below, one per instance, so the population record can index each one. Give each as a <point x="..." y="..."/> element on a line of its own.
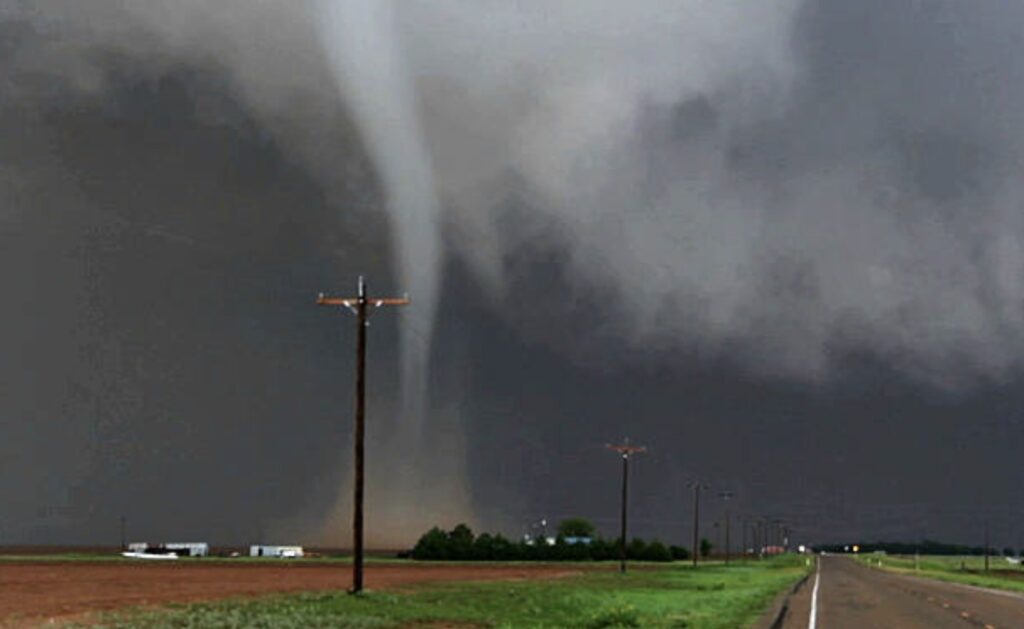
<point x="263" y="550"/>
<point x="181" y="549"/>
<point x="189" y="549"/>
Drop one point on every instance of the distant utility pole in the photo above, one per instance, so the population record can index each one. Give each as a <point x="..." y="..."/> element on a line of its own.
<point x="718" y="536"/>
<point x="625" y="450"/>
<point x="359" y="306"/>
<point x="987" y="544"/>
<point x="780" y="533"/>
<point x="752" y="523"/>
<point x="761" y="532"/>
<point x="696" y="486"/>
<point x="743" y="537"/>
<point x="726" y="496"/>
<point x="124" y="522"/>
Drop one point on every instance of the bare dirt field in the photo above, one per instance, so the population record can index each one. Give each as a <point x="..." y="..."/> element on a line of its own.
<point x="35" y="592"/>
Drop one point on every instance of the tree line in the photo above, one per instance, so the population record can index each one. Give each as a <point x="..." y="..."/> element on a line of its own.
<point x="575" y="541"/>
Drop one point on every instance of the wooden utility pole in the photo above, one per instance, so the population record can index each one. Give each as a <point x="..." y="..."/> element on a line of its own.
<point x="359" y="305"/>
<point x="764" y="533"/>
<point x="743" y="537"/>
<point x="717" y="526"/>
<point x="625" y="450"/>
<point x="753" y="537"/>
<point x="783" y="537"/>
<point x="987" y="544"/>
<point x="726" y="496"/>
<point x="696" y="486"/>
<point x="754" y="548"/>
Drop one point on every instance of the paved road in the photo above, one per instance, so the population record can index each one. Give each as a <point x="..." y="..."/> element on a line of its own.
<point x="852" y="596"/>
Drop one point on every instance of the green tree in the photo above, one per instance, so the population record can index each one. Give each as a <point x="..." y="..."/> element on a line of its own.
<point x="576" y="527"/>
<point x="502" y="549"/>
<point x="705" y="547"/>
<point x="461" y="534"/>
<point x="602" y="550"/>
<point x="484" y="547"/>
<point x="460" y="542"/>
<point x="656" y="551"/>
<point x="432" y="545"/>
<point x="636" y="549"/>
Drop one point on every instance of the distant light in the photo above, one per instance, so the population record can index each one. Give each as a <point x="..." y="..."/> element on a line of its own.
<point x="846" y="549"/>
<point x="856" y="548"/>
<point x="802" y="548"/>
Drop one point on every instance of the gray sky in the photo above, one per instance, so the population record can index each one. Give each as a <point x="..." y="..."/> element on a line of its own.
<point x="779" y="244"/>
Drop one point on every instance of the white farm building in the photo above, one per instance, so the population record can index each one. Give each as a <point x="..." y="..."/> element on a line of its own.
<point x="262" y="550"/>
<point x="181" y="549"/>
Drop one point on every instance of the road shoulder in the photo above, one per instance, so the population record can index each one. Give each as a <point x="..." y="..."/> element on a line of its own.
<point x="792" y="602"/>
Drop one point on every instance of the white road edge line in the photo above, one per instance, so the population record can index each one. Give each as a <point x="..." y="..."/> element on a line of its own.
<point x="812" y="622"/>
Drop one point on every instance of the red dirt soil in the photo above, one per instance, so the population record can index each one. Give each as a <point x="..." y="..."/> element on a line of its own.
<point x="32" y="593"/>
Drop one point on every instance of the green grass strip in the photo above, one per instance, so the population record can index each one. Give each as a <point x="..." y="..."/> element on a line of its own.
<point x="668" y="596"/>
<point x="966" y="570"/>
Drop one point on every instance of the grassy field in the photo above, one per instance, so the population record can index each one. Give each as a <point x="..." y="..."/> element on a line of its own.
<point x="712" y="596"/>
<point x="968" y="569"/>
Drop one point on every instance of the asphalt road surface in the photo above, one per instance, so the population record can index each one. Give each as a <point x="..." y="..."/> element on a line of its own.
<point x="853" y="596"/>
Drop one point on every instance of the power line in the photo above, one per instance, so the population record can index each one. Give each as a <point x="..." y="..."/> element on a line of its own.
<point x="359" y="305"/>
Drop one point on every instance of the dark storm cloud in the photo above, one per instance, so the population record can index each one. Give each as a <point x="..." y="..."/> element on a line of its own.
<point x="875" y="208"/>
<point x="781" y="244"/>
<point x="159" y="336"/>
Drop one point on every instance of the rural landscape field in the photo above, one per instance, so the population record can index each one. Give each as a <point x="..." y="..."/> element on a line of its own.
<point x="465" y="314"/>
<point x="85" y="592"/>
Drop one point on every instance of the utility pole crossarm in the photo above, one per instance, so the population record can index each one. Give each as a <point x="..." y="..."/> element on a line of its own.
<point x="352" y="302"/>
<point x="625" y="449"/>
<point x="324" y="300"/>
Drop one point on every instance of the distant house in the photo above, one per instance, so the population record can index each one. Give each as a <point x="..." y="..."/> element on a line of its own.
<point x="189" y="549"/>
<point x="286" y="552"/>
<point x="578" y="540"/>
<point x="532" y="541"/>
<point x="181" y="549"/>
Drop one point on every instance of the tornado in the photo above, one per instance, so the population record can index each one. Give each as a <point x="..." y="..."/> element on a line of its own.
<point x="366" y="58"/>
